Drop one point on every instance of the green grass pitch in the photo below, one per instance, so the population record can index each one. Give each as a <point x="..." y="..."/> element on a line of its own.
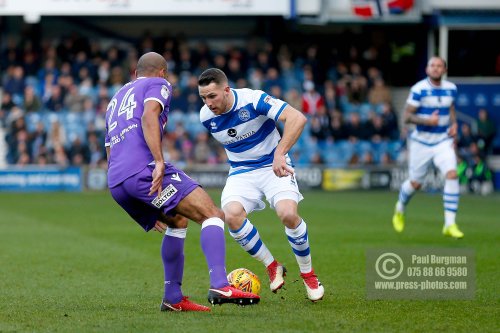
<point x="77" y="263"/>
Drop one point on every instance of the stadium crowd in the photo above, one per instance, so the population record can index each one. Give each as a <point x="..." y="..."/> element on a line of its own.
<point x="55" y="94"/>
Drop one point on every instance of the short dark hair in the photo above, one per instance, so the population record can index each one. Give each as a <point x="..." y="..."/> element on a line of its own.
<point x="212" y="75"/>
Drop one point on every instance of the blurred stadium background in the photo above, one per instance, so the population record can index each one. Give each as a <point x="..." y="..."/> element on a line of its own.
<point x="74" y="262"/>
<point x="347" y="64"/>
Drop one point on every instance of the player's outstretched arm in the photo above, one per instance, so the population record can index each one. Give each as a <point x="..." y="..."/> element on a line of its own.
<point x="152" y="134"/>
<point x="294" y="122"/>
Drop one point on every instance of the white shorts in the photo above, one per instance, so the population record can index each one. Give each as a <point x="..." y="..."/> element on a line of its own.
<point x="248" y="188"/>
<point x="421" y="156"/>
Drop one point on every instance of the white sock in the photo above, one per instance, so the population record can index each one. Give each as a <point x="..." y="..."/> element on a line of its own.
<point x="176" y="232"/>
<point x="451" y="195"/>
<point x="299" y="242"/>
<point x="249" y="239"/>
<point x="405" y="194"/>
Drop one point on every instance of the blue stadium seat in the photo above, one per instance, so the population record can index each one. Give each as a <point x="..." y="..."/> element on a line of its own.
<point x="193" y="125"/>
<point x="32" y="119"/>
<point x="394" y="148"/>
<point x="378" y="150"/>
<point x="364" y="111"/>
<point x="175" y="117"/>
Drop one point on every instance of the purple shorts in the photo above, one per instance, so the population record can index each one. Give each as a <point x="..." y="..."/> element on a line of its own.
<point x="132" y="194"/>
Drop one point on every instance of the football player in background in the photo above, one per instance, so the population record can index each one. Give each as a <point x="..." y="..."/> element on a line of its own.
<point x="430" y="106"/>
<point x="243" y="120"/>
<point x="155" y="193"/>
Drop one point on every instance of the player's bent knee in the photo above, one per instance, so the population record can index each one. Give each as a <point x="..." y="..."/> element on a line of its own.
<point x="177" y="221"/>
<point x="198" y="207"/>
<point x="206" y="213"/>
<point x="216" y="212"/>
<point x="234" y="222"/>
<point x="289" y="219"/>
<point x="234" y="215"/>
<point x="416" y="185"/>
<point x="451" y="174"/>
<point x="208" y="210"/>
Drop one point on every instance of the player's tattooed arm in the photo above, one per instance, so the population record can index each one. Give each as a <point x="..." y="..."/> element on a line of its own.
<point x="411" y="118"/>
<point x="452" y="130"/>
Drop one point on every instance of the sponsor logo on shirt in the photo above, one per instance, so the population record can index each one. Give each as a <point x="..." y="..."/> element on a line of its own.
<point x="165" y="195"/>
<point x="237" y="138"/>
<point x="232" y="132"/>
<point x="270" y="100"/>
<point x="213" y="125"/>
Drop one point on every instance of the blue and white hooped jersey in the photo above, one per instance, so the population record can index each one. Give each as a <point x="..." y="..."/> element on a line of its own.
<point x="428" y="98"/>
<point x="248" y="131"/>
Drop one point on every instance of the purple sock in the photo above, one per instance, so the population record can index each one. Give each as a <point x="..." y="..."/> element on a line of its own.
<point x="172" y="254"/>
<point x="213" y="245"/>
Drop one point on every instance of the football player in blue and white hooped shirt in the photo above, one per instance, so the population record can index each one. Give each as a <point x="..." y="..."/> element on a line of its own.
<point x="244" y="122"/>
<point x="430" y="106"/>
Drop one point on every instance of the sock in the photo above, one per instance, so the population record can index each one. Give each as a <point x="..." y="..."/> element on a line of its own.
<point x="213" y="245"/>
<point x="172" y="254"/>
<point x="249" y="239"/>
<point x="405" y="194"/>
<point x="300" y="245"/>
<point x="451" y="195"/>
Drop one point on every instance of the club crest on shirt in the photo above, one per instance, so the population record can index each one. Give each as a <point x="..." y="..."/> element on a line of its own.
<point x="164" y="92"/>
<point x="244" y="115"/>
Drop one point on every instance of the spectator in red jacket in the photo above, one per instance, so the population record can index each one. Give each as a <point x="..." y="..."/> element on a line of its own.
<point x="311" y="99"/>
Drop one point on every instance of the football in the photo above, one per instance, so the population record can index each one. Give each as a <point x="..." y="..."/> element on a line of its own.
<point x="244" y="280"/>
